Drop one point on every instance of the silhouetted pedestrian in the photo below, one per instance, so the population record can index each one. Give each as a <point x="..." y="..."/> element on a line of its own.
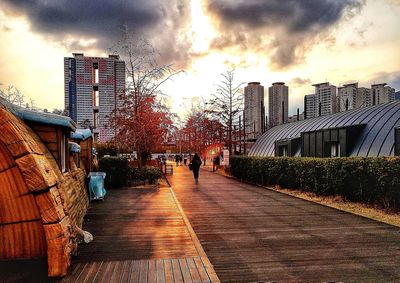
<point x="195" y="167"/>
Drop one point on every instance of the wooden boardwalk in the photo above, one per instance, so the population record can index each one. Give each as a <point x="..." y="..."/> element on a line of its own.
<point x="140" y="235"/>
<point x="253" y="234"/>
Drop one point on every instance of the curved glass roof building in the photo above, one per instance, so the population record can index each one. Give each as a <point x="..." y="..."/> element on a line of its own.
<point x="368" y="132"/>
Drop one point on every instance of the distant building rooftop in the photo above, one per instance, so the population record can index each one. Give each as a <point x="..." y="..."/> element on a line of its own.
<point x="367" y="132"/>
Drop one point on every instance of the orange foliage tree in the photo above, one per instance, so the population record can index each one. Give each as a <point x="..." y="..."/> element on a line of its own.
<point x="141" y="120"/>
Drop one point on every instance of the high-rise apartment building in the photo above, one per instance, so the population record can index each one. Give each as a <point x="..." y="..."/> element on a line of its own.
<point x="310" y="106"/>
<point x="346" y="99"/>
<point x="254" y="110"/>
<point x="278" y="99"/>
<point x="364" y="97"/>
<point x="382" y="93"/>
<point x="322" y="102"/>
<point x="93" y="86"/>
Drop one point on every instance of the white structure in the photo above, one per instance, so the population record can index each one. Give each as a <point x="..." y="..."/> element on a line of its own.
<point x="347" y="97"/>
<point x="278" y="98"/>
<point x="322" y="102"/>
<point x="93" y="86"/>
<point x="254" y="111"/>
<point x="364" y="97"/>
<point x="382" y="93"/>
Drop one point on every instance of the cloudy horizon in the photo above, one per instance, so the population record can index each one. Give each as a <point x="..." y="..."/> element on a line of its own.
<point x="298" y="42"/>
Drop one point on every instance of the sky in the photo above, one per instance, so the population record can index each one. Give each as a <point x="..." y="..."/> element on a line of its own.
<point x="297" y="42"/>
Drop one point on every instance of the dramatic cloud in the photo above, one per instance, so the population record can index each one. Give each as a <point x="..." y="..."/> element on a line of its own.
<point x="285" y="29"/>
<point x="297" y="82"/>
<point x="392" y="79"/>
<point x="99" y="24"/>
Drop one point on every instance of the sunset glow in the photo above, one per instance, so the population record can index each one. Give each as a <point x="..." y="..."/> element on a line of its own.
<point x="204" y="38"/>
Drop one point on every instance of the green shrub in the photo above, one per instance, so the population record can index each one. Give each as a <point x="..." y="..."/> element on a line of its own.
<point x="374" y="181"/>
<point x="151" y="174"/>
<point x="116" y="169"/>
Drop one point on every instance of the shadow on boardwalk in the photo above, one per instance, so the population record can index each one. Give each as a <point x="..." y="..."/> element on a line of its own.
<point x="139" y="236"/>
<point x="254" y="234"/>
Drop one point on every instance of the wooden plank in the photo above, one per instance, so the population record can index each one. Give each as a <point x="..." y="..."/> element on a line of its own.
<point x="94" y="271"/>
<point x="17" y="138"/>
<point x="116" y="277"/>
<point x="37" y="172"/>
<point x="22" y="240"/>
<point x="176" y="269"/>
<point x="135" y="272"/>
<point x="144" y="267"/>
<point x="50" y="206"/>
<point x="193" y="270"/>
<point x="126" y="270"/>
<point x="109" y="272"/>
<point x="185" y="271"/>
<point x="6" y="160"/>
<point x="152" y="273"/>
<point x="84" y="272"/>
<point x="19" y="209"/>
<point x="12" y="183"/>
<point x="42" y="128"/>
<point x="75" y="273"/>
<point x="52" y="146"/>
<point x="47" y="137"/>
<point x="160" y="271"/>
<point x="210" y="270"/>
<point x="202" y="271"/>
<point x="169" y="275"/>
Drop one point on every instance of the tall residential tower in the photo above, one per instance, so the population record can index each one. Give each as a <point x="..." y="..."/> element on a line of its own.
<point x="278" y="98"/>
<point x="93" y="86"/>
<point x="322" y="102"/>
<point x="254" y="111"/>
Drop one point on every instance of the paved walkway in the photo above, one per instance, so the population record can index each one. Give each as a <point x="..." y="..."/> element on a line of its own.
<point x="140" y="235"/>
<point x="255" y="234"/>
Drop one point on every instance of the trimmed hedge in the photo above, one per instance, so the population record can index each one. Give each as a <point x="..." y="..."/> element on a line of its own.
<point x="152" y="174"/>
<point x="116" y="169"/>
<point x="374" y="181"/>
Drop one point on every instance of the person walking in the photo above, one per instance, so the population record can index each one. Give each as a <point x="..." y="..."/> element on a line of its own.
<point x="177" y="159"/>
<point x="195" y="167"/>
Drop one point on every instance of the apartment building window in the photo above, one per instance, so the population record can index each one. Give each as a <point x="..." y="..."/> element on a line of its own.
<point x="96" y="98"/>
<point x="96" y="73"/>
<point x="95" y="119"/>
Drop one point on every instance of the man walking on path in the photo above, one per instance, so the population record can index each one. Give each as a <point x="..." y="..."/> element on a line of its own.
<point x="195" y="167"/>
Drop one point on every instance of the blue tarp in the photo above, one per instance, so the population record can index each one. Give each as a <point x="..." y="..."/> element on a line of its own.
<point x="74" y="147"/>
<point x="81" y="134"/>
<point x="96" y="185"/>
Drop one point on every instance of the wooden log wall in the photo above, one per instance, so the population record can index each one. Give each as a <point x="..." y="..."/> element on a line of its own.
<point x="39" y="206"/>
<point x="86" y="154"/>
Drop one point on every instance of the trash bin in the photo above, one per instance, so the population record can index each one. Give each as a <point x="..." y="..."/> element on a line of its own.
<point x="96" y="185"/>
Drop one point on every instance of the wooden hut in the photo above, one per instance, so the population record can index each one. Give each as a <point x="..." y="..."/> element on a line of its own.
<point x="83" y="137"/>
<point x="42" y="201"/>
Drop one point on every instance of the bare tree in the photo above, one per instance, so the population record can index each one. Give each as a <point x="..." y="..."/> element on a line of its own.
<point x="13" y="95"/>
<point x="227" y="103"/>
<point x="142" y="119"/>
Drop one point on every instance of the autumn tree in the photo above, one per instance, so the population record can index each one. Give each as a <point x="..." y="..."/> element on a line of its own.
<point x="141" y="120"/>
<point x="200" y="130"/>
<point x="227" y="103"/>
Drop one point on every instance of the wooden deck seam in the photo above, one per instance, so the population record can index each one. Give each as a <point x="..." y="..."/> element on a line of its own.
<point x="193" y="235"/>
